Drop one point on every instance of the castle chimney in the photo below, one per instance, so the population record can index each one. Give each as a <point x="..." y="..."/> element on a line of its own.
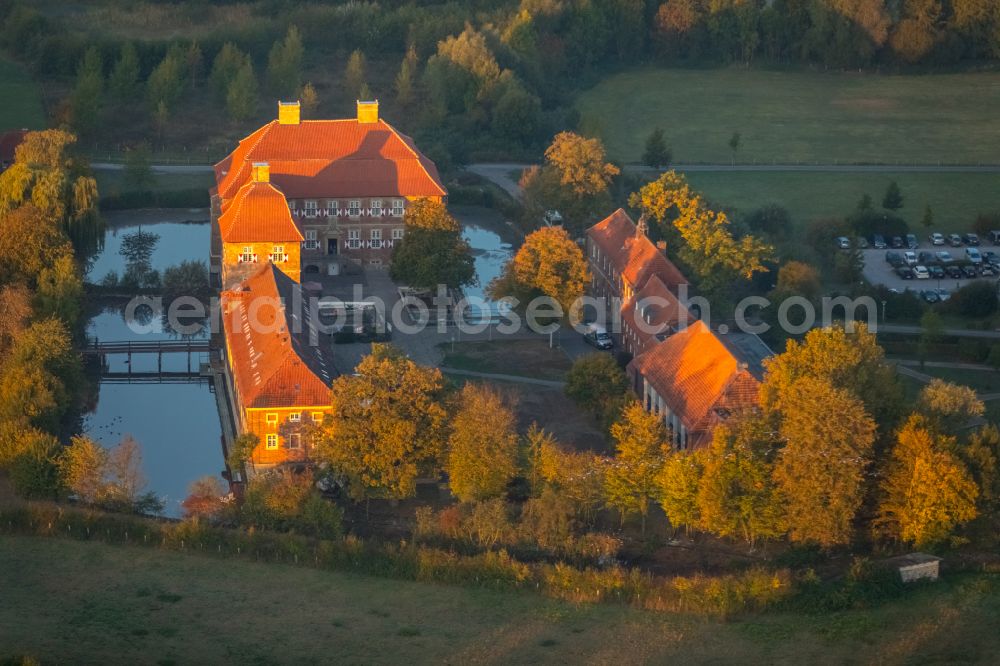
<point x="261" y="172"/>
<point x="661" y="245"/>
<point x="642" y="228"/>
<point x="289" y="113"/>
<point x="368" y="111"/>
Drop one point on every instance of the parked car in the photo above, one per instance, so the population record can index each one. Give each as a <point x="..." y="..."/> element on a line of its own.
<point x="954" y="272"/>
<point x="905" y="272"/>
<point x="843" y="242"/>
<point x="990" y="257"/>
<point x="894" y="259"/>
<point x="921" y="273"/>
<point x="930" y="296"/>
<point x="944" y="256"/>
<point x="943" y="294"/>
<point x="598" y="337"/>
<point x="972" y="254"/>
<point x="936" y="272"/>
<point x="910" y="258"/>
<point x="987" y="270"/>
<point x="971" y="239"/>
<point x="969" y="272"/>
<point x="897" y="242"/>
<point x="912" y="242"/>
<point x="878" y="242"/>
<point x="552" y="218"/>
<point x="995" y="237"/>
<point x="955" y="240"/>
<point x="926" y="257"/>
<point x="936" y="239"/>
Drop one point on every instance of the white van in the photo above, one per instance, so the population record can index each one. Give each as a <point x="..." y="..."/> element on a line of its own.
<point x="598" y="337"/>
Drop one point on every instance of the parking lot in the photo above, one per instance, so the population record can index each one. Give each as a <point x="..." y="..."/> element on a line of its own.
<point x="878" y="271"/>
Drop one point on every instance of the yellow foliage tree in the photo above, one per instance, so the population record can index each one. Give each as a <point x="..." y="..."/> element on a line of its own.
<point x="928" y="492"/>
<point x="641" y="445"/>
<point x="581" y="164"/>
<point x="549" y="263"/>
<point x="575" y="475"/>
<point x="483" y="445"/>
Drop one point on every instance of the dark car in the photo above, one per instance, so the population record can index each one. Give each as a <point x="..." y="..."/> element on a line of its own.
<point x="930" y="296"/>
<point x="954" y="272"/>
<point x="894" y="259"/>
<point x="912" y="242"/>
<point x="926" y="258"/>
<point x="878" y="242"/>
<point x="905" y="272"/>
<point x="897" y="242"/>
<point x="971" y="239"/>
<point x="936" y="272"/>
<point x="969" y="271"/>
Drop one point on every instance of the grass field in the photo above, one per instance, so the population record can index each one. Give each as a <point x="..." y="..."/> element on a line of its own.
<point x="524" y="358"/>
<point x="113" y="182"/>
<point x="69" y="601"/>
<point x="798" y="116"/>
<point x="20" y="102"/>
<point x="955" y="198"/>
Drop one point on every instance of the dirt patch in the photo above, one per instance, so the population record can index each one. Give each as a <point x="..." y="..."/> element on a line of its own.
<point x="557" y="414"/>
<point x="522" y="358"/>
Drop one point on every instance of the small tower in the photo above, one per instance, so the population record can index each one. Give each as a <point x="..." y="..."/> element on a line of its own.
<point x="642" y="227"/>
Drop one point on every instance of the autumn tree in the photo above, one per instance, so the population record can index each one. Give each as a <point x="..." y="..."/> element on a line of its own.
<point x="310" y="100"/>
<point x="355" y="76"/>
<point x="205" y="500"/>
<point x="83" y="466"/>
<point x="709" y="246"/>
<point x="678" y="483"/>
<point x="928" y="492"/>
<point x="949" y="407"/>
<point x="641" y="443"/>
<point x="736" y="495"/>
<point x="483" y="445"/>
<point x="387" y="425"/>
<point x="796" y="278"/>
<point x="657" y="154"/>
<point x="286" y="500"/>
<point x="284" y="64"/>
<point x="548" y="263"/>
<point x="576" y="475"/>
<point x="15" y="310"/>
<point x="981" y="455"/>
<point x="432" y="251"/>
<point x="60" y="291"/>
<point x="580" y="168"/>
<point x="598" y="385"/>
<point x="30" y="242"/>
<point x="820" y="471"/>
<point x="241" y="451"/>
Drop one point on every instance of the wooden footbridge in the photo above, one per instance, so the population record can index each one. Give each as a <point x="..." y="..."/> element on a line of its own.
<point x="196" y="350"/>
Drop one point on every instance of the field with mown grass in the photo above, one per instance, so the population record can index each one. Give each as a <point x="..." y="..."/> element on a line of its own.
<point x="71" y="601"/>
<point x="955" y="198"/>
<point x="798" y="115"/>
<point x="20" y="101"/>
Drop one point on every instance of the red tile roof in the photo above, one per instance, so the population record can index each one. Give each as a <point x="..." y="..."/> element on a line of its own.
<point x="258" y="214"/>
<point x="653" y="312"/>
<point x="9" y="141"/>
<point x="696" y="374"/>
<point x="272" y="360"/>
<point x="332" y="158"/>
<point x="634" y="257"/>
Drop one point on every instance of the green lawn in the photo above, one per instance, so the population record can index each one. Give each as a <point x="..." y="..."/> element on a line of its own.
<point x="794" y="116"/>
<point x="113" y="182"/>
<point x="77" y="602"/>
<point x="955" y="198"/>
<point x="20" y="101"/>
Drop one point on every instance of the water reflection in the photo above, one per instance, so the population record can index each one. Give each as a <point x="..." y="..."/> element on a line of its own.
<point x="184" y="234"/>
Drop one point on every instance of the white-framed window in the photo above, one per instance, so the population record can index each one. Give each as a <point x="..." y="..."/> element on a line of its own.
<point x="247" y="256"/>
<point x="278" y="255"/>
<point x="397" y="207"/>
<point x="295" y="441"/>
<point x="311" y="207"/>
<point x="376" y="234"/>
<point x="311" y="243"/>
<point x="332" y="207"/>
<point x="295" y="417"/>
<point x="397" y="234"/>
<point x="271" y="418"/>
<point x="354" y="207"/>
<point x="353" y="239"/>
<point x="317" y="417"/>
<point x="375" y="262"/>
<point x="272" y="441"/>
<point x="376" y="207"/>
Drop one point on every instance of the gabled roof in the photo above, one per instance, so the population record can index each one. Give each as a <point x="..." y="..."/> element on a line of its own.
<point x="633" y="255"/>
<point x="258" y="213"/>
<point x="653" y="312"/>
<point x="272" y="361"/>
<point x="696" y="374"/>
<point x="332" y="158"/>
<point x="9" y="141"/>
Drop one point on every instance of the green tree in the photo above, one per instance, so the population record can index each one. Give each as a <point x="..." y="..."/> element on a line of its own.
<point x="355" y="76"/>
<point x="387" y="425"/>
<point x="165" y="84"/>
<point x="734" y="144"/>
<point x="928" y="219"/>
<point x="310" y="100"/>
<point x="124" y="79"/>
<point x="737" y="496"/>
<point x="432" y="250"/>
<point x="88" y="93"/>
<point x="931" y="333"/>
<point x="34" y="472"/>
<point x="483" y="445"/>
<point x="517" y="114"/>
<point x="657" y="154"/>
<point x="821" y="468"/>
<point x="597" y="384"/>
<point x="641" y="443"/>
<point x="406" y="78"/>
<point x="227" y="64"/>
<point x="284" y="64"/>
<point x="893" y="198"/>
<point x="138" y="175"/>
<point x="928" y="492"/>
<point x="188" y="278"/>
<point x="241" y="451"/>
<point x="241" y="97"/>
